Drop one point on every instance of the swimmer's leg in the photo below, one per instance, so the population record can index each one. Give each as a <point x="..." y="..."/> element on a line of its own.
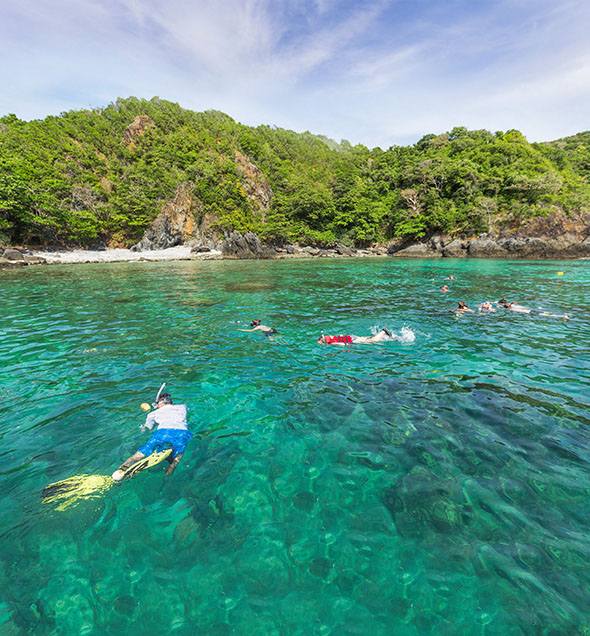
<point x="131" y="460"/>
<point x="120" y="472"/>
<point x="382" y="335"/>
<point x="173" y="464"/>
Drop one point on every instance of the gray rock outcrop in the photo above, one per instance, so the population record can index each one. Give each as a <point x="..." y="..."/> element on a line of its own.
<point x="417" y="250"/>
<point x="455" y="249"/>
<point x="248" y="245"/>
<point x="533" y="247"/>
<point x="13" y="254"/>
<point x="12" y="258"/>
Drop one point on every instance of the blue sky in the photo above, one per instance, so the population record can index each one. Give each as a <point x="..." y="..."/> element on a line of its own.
<point x="380" y="72"/>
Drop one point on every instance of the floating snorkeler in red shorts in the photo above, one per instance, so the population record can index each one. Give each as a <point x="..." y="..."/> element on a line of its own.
<point x="342" y="341"/>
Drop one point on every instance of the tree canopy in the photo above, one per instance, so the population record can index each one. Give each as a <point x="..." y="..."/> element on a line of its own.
<point x="103" y="175"/>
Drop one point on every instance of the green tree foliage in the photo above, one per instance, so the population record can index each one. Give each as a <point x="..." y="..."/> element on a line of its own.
<point x="104" y="174"/>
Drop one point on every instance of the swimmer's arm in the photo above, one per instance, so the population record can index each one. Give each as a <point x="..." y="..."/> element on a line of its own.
<point x="255" y="329"/>
<point x="149" y="423"/>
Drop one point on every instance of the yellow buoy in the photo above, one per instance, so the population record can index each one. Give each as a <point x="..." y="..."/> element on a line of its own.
<point x="560" y="273"/>
<point x="145" y="407"/>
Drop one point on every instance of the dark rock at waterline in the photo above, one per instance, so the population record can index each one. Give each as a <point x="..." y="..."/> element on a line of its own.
<point x="486" y="248"/>
<point x="564" y="246"/>
<point x="202" y="245"/>
<point x="245" y="246"/>
<point x="344" y="250"/>
<point x="455" y="249"/>
<point x="417" y="250"/>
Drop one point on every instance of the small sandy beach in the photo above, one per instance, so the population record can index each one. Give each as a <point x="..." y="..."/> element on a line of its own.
<point x="181" y="252"/>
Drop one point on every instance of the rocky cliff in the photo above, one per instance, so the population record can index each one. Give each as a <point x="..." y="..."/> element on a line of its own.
<point x="555" y="236"/>
<point x="182" y="222"/>
<point x="175" y="225"/>
<point x="255" y="186"/>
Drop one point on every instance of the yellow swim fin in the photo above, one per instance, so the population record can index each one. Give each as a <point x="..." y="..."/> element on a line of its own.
<point x="147" y="462"/>
<point x="71" y="491"/>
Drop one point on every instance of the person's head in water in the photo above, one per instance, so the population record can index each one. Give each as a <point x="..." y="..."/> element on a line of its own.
<point x="164" y="399"/>
<point x="256" y="322"/>
<point x="462" y="305"/>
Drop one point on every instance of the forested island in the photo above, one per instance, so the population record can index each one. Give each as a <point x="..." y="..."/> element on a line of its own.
<point x="103" y="177"/>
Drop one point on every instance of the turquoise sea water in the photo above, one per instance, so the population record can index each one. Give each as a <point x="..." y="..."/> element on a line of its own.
<point x="439" y="485"/>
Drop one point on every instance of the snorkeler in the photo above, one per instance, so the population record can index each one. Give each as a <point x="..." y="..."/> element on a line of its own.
<point x="258" y="326"/>
<point x="521" y="309"/>
<point x="486" y="307"/>
<point x="444" y="288"/>
<point x="462" y="307"/>
<point x="172" y="430"/>
<point x="341" y="340"/>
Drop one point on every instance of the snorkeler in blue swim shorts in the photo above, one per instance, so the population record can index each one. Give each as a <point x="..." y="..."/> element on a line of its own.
<point x="172" y="430"/>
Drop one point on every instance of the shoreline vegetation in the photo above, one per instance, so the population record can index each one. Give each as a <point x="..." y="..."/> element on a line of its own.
<point x="140" y="177"/>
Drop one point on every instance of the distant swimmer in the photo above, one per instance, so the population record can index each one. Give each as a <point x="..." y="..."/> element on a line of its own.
<point x="342" y="341"/>
<point x="258" y="326"/>
<point x="486" y="307"/>
<point x="450" y="277"/>
<point x="172" y="431"/>
<point x="444" y="288"/>
<point x="521" y="309"/>
<point x="462" y="307"/>
<point x="535" y="312"/>
<point x="513" y="306"/>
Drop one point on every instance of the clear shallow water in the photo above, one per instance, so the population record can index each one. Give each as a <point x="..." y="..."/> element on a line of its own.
<point x="439" y="486"/>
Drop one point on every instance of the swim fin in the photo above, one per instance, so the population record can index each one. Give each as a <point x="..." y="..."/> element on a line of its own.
<point x="69" y="492"/>
<point x="151" y="460"/>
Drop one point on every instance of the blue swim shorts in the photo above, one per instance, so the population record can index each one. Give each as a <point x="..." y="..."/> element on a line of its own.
<point x="178" y="438"/>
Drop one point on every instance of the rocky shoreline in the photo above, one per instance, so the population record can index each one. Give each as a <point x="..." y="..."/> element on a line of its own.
<point x="561" y="247"/>
<point x="544" y="239"/>
<point x="236" y="246"/>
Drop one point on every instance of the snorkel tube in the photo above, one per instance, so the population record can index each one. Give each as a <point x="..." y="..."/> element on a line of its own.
<point x="155" y="404"/>
<point x="145" y="406"/>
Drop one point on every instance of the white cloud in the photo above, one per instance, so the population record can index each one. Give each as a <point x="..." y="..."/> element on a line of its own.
<point x="375" y="72"/>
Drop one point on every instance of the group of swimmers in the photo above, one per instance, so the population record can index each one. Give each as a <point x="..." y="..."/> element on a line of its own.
<point x="341" y="340"/>
<point x="488" y="307"/>
<point x="384" y="335"/>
